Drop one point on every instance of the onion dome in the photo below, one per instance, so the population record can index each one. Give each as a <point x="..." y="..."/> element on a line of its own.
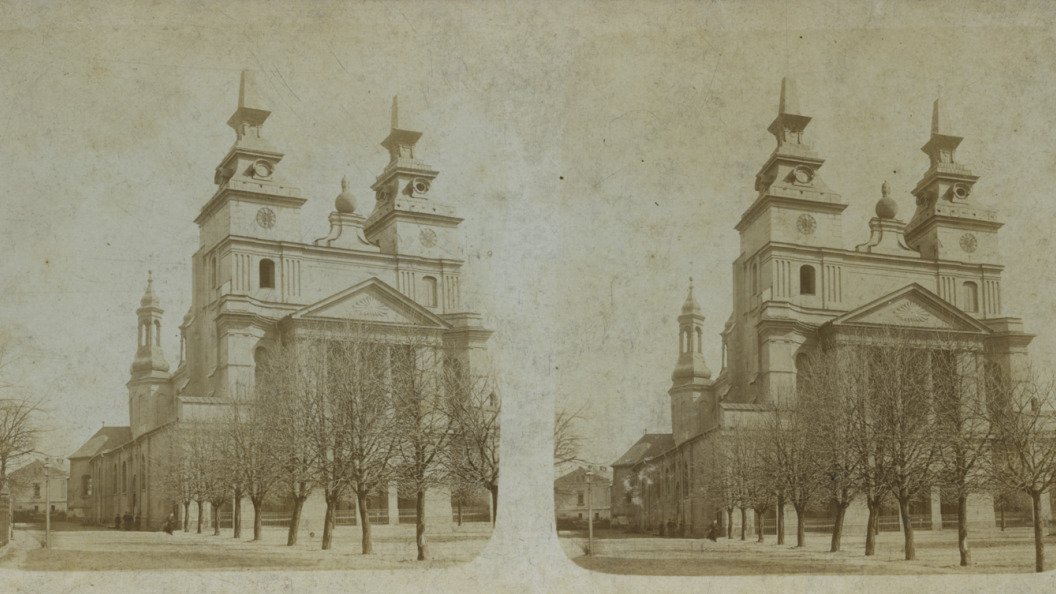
<point x="345" y="201"/>
<point x="886" y="207"/>
<point x="149" y="298"/>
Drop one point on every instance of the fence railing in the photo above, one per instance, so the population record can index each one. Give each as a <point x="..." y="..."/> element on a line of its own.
<point x="349" y="517"/>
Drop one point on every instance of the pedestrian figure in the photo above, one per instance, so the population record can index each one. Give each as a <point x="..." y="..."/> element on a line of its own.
<point x="713" y="531"/>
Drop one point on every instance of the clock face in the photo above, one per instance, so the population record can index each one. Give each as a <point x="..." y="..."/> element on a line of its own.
<point x="428" y="237"/>
<point x="266" y="217"/>
<point x="806" y="224"/>
<point x="969" y="243"/>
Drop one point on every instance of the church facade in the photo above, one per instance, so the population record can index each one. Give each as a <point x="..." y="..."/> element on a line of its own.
<point x="255" y="281"/>
<point x="794" y="283"/>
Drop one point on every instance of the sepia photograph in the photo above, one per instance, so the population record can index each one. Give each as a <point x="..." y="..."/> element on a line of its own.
<point x="539" y="296"/>
<point x="819" y="332"/>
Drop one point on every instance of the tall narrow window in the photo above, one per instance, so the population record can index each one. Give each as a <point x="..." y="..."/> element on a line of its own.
<point x="267" y="274"/>
<point x="700" y="340"/>
<point x="214" y="272"/>
<point x="971" y="297"/>
<point x="806" y="280"/>
<point x="755" y="279"/>
<point x="431" y="297"/>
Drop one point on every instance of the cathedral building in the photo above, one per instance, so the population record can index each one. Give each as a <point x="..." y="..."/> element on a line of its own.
<point x="256" y="281"/>
<point x="794" y="282"/>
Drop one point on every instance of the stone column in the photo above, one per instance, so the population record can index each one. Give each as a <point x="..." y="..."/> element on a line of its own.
<point x="936" y="509"/>
<point x="394" y="505"/>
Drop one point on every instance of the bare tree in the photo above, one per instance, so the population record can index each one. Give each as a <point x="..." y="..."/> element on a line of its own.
<point x="962" y="430"/>
<point x="424" y="425"/>
<point x="796" y="464"/>
<point x="827" y="379"/>
<point x="285" y="389"/>
<point x="720" y="481"/>
<point x="567" y="440"/>
<point x="474" y="451"/>
<point x="253" y="447"/>
<point x="1023" y="416"/>
<point x="210" y="468"/>
<point x="19" y="429"/>
<point x="754" y="458"/>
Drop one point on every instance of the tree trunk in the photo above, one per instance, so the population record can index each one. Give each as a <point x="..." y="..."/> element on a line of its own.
<point x="494" y="504"/>
<point x="837" y="526"/>
<point x="744" y="522"/>
<point x="419" y="529"/>
<point x="1002" y="517"/>
<point x="729" y="523"/>
<point x="760" y="522"/>
<point x="1039" y="544"/>
<point x="216" y="519"/>
<point x="907" y="527"/>
<point x="236" y="515"/>
<point x="199" y="517"/>
<point x="367" y="542"/>
<point x="962" y="530"/>
<point x="186" y="516"/>
<point x="258" y="513"/>
<point x="459" y="504"/>
<point x="801" y="531"/>
<point x="870" y="525"/>
<point x="295" y="520"/>
<point x="328" y="521"/>
<point x="780" y="519"/>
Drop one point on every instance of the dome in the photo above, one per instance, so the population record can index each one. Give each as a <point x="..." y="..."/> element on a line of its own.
<point x="345" y="201"/>
<point x="886" y="207"/>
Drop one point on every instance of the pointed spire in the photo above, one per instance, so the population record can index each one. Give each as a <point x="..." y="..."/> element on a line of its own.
<point x="936" y="127"/>
<point x="400" y="142"/>
<point x="149" y="298"/>
<point x="789" y="124"/>
<point x="691" y="306"/>
<point x="942" y="145"/>
<point x="395" y="112"/>
<point x="789" y="103"/>
<point x="251" y="111"/>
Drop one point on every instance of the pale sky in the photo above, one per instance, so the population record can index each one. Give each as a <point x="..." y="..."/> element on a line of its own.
<point x="599" y="153"/>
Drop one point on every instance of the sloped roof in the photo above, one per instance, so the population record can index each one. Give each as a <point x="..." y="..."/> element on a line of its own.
<point x="650" y="445"/>
<point x="578" y="476"/>
<point x="105" y="439"/>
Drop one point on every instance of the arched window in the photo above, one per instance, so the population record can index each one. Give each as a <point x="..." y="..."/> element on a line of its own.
<point x="124" y="478"/>
<point x="806" y="280"/>
<point x="267" y="274"/>
<point x="431" y="296"/>
<point x="971" y="297"/>
<point x="260" y="362"/>
<point x="157" y="332"/>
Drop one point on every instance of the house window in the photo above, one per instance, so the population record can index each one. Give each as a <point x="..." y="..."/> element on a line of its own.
<point x="86" y="485"/>
<point x="36" y="490"/>
<point x="971" y="297"/>
<point x="806" y="280"/>
<point x="579" y="498"/>
<point x="267" y="274"/>
<point x="431" y="296"/>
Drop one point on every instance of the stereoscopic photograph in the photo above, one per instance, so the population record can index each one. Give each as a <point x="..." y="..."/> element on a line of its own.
<point x="541" y="296"/>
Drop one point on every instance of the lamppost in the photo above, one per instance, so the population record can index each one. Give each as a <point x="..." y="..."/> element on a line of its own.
<point x="590" y="514"/>
<point x="47" y="503"/>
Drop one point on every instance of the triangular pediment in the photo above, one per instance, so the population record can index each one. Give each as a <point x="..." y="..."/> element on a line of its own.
<point x="370" y="301"/>
<point x="912" y="306"/>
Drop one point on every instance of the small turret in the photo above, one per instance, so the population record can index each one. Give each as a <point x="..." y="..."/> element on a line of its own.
<point x="690" y="367"/>
<point x="149" y="358"/>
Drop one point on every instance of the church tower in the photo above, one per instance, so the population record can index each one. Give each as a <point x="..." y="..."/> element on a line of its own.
<point x="408" y="219"/>
<point x="691" y="377"/>
<point x="793" y="205"/>
<point x="950" y="223"/>
<point x="150" y="371"/>
<point x="252" y="199"/>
